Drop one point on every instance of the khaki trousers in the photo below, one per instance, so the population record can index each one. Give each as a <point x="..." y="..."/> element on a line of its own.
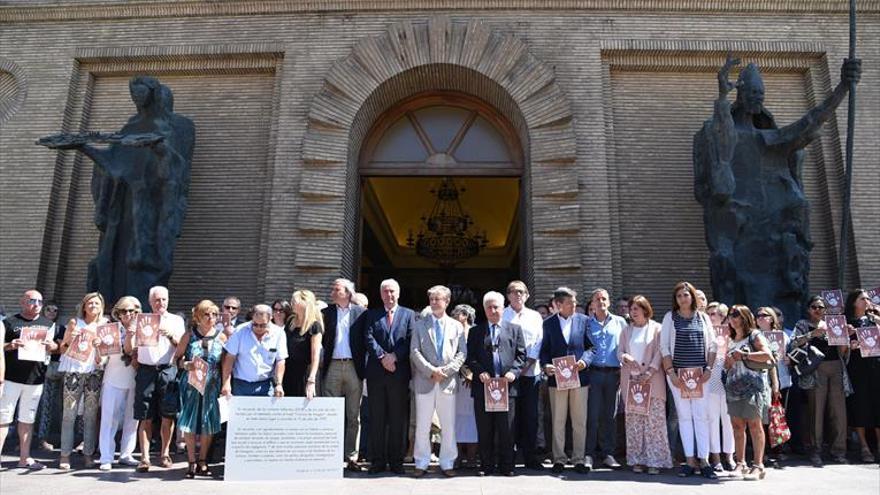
<point x="562" y="404"/>
<point x="828" y="396"/>
<point x="342" y="381"/>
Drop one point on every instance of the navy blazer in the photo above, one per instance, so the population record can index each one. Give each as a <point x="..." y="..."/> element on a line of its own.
<point x="511" y="348"/>
<point x="554" y="344"/>
<point x="355" y="338"/>
<point x="380" y="340"/>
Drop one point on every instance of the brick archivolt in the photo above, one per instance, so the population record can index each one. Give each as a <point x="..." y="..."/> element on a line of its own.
<point x="13" y="89"/>
<point x="409" y="58"/>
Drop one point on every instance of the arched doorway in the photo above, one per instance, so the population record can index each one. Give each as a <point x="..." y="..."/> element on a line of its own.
<point x="428" y="155"/>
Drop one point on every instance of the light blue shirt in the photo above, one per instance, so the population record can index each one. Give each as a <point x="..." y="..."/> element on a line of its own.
<point x="255" y="360"/>
<point x="605" y="336"/>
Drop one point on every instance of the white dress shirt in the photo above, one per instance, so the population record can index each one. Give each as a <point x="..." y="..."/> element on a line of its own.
<point x="342" y="348"/>
<point x="533" y="333"/>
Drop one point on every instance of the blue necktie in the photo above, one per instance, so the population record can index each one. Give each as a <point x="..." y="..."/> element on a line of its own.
<point x="438" y="338"/>
<point x="496" y="358"/>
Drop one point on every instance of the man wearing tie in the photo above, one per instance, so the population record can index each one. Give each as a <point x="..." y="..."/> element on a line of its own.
<point x="565" y="334"/>
<point x="342" y="369"/>
<point x="495" y="349"/>
<point x="437" y="352"/>
<point x="387" y="335"/>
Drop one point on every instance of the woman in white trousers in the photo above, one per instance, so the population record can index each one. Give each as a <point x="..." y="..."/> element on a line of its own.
<point x="720" y="439"/>
<point x="117" y="392"/>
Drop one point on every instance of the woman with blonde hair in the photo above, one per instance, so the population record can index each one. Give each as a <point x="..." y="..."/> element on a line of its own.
<point x="304" y="329"/>
<point x="647" y="444"/>
<point x="720" y="439"/>
<point x="747" y="389"/>
<point x="82" y="377"/>
<point x="117" y="391"/>
<point x="200" y="413"/>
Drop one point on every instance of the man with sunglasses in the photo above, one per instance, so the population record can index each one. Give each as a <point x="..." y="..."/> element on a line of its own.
<point x="255" y="354"/>
<point x="230" y="312"/>
<point x="24" y="384"/>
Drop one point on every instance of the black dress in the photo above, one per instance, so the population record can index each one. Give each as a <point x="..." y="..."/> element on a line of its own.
<point x="299" y="357"/>
<point x="863" y="407"/>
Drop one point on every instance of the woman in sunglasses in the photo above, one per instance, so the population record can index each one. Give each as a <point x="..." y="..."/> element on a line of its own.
<point x="117" y="391"/>
<point x="748" y="392"/>
<point x="200" y="413"/>
<point x="824" y="386"/>
<point x="780" y="376"/>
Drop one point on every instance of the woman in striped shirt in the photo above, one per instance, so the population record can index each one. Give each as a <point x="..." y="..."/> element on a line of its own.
<point x="687" y="341"/>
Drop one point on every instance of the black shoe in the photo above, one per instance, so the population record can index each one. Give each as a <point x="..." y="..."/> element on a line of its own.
<point x="685" y="471"/>
<point x="707" y="472"/>
<point x="398" y="469"/>
<point x="376" y="469"/>
<point x="816" y="460"/>
<point x="558" y="468"/>
<point x="485" y="472"/>
<point x="508" y="473"/>
<point x="726" y="464"/>
<point x="354" y="467"/>
<point x="535" y="466"/>
<point x="581" y="469"/>
<point x="839" y="459"/>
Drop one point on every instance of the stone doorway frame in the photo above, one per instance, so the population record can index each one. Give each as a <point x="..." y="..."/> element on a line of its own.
<point x="465" y="56"/>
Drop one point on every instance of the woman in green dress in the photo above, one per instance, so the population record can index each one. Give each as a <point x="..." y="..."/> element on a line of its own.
<point x="200" y="414"/>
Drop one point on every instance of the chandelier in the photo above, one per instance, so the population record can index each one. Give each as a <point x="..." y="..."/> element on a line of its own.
<point x="446" y="237"/>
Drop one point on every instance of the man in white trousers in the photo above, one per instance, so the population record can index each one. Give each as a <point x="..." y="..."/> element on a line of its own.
<point x="437" y="351"/>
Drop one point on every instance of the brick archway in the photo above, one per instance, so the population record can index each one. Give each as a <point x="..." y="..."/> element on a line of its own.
<point x="438" y="54"/>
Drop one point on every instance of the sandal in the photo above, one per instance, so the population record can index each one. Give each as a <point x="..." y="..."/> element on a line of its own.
<point x="166" y="461"/>
<point x="64" y="463"/>
<point x="143" y="466"/>
<point x="191" y="471"/>
<point x="867" y="456"/>
<point x="754" y="474"/>
<point x="204" y="470"/>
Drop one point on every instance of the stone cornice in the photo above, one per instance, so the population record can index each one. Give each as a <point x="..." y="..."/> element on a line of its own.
<point x="38" y="11"/>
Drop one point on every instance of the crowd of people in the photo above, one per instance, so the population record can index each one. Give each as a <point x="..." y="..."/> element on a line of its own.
<point x="569" y="383"/>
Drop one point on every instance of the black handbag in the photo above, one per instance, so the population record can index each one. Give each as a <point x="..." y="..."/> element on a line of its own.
<point x="805" y="359"/>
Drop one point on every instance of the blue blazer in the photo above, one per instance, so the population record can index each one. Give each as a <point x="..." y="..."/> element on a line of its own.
<point x="554" y="344"/>
<point x="380" y="340"/>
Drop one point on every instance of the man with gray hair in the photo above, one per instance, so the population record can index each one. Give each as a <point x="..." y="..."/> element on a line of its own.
<point x="495" y="349"/>
<point x="388" y="332"/>
<point x="342" y="369"/>
<point x="437" y="352"/>
<point x="255" y="354"/>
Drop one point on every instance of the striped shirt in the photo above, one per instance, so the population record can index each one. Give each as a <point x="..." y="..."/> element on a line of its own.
<point x="690" y="349"/>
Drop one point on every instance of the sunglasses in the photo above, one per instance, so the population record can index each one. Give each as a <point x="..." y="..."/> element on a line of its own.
<point x="735" y="314"/>
<point x="128" y="311"/>
<point x="277" y="310"/>
<point x="230" y="308"/>
<point x="763" y="315"/>
<point x="818" y="308"/>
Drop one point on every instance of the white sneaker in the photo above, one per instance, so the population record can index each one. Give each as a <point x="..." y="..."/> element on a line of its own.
<point x="128" y="461"/>
<point x="105" y="466"/>
<point x="611" y="462"/>
<point x="588" y="462"/>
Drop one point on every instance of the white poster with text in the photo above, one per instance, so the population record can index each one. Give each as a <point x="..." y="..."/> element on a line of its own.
<point x="290" y="438"/>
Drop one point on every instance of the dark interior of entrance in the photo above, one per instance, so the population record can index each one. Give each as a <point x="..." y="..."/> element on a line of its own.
<point x="393" y="209"/>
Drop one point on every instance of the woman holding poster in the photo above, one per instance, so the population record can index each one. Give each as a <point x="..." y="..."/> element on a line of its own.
<point x="748" y="393"/>
<point x="201" y="349"/>
<point x="82" y="377"/>
<point x="687" y="343"/>
<point x="641" y="382"/>
<point x="824" y="386"/>
<point x="864" y="370"/>
<point x="117" y="393"/>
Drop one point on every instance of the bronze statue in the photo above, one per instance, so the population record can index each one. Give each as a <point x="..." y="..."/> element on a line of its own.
<point x="140" y="186"/>
<point x="747" y="176"/>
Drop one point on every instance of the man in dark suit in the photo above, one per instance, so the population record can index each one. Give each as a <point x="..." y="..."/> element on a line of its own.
<point x="495" y="349"/>
<point x="342" y="369"/>
<point x="566" y="334"/>
<point x="387" y="333"/>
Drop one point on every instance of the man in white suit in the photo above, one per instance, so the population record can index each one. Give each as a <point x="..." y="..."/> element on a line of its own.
<point x="437" y="351"/>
